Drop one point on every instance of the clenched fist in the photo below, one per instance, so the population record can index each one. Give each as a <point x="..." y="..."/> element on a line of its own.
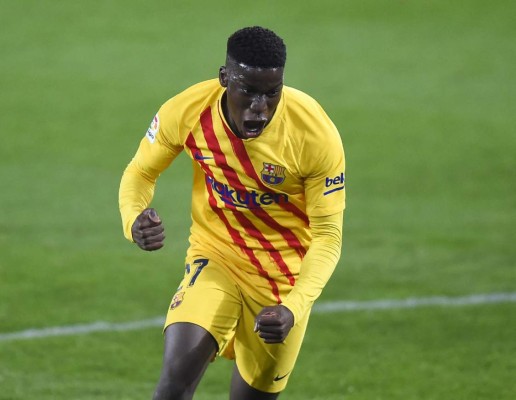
<point x="274" y="323"/>
<point x="147" y="230"/>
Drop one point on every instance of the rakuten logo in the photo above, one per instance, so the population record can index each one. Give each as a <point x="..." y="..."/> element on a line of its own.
<point x="245" y="199"/>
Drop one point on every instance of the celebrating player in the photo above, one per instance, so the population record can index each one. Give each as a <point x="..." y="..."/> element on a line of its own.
<point x="267" y="211"/>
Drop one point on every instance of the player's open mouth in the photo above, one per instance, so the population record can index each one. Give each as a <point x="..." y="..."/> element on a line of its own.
<point x="253" y="128"/>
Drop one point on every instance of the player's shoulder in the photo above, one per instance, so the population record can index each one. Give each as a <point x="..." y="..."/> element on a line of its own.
<point x="298" y="98"/>
<point x="193" y="97"/>
<point x="180" y="113"/>
<point x="306" y="116"/>
<point x="318" y="142"/>
<point x="301" y="101"/>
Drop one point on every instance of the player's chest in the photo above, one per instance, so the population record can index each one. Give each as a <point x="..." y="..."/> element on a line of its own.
<point x="266" y="166"/>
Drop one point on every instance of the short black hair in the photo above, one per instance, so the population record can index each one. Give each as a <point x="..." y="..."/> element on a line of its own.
<point x="257" y="47"/>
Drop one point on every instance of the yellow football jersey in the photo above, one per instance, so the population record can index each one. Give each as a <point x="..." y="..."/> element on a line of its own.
<point x="252" y="198"/>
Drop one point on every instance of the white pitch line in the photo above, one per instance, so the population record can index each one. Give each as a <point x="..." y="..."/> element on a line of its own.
<point x="99" y="326"/>
<point x="336" y="306"/>
<point x="319" y="308"/>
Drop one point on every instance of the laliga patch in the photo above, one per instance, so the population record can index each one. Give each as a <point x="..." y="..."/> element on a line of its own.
<point x="273" y="174"/>
<point x="177" y="300"/>
<point x="153" y="129"/>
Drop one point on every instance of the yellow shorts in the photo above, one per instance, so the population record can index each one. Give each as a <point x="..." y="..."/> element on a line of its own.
<point x="209" y="297"/>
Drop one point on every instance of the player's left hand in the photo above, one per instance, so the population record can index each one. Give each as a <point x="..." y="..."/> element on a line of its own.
<point x="274" y="323"/>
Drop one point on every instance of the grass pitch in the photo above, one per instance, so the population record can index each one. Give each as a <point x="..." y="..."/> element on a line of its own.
<point x="424" y="96"/>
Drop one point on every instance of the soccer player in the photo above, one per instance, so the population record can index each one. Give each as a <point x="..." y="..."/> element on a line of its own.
<point x="267" y="210"/>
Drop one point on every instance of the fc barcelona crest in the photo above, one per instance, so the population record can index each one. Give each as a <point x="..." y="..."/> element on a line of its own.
<point x="177" y="300"/>
<point x="273" y="174"/>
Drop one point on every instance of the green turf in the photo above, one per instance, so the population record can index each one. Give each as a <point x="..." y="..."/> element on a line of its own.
<point x="423" y="93"/>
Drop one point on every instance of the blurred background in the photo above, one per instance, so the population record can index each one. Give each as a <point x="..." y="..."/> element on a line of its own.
<point x="423" y="93"/>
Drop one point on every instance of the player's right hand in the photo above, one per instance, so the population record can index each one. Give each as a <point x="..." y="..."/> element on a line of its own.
<point x="148" y="231"/>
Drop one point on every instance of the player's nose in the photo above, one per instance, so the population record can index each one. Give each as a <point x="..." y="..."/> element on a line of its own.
<point x="259" y="104"/>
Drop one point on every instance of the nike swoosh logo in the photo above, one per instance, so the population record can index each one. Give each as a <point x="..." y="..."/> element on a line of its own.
<point x="198" y="157"/>
<point x="279" y="378"/>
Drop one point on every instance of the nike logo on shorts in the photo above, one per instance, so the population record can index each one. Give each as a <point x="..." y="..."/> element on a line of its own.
<point x="279" y="378"/>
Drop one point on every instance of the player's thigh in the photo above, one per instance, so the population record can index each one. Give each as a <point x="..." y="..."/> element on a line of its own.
<point x="207" y="297"/>
<point x="265" y="367"/>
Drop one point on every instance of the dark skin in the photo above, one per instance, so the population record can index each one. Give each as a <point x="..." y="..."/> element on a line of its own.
<point x="251" y="98"/>
<point x="148" y="231"/>
<point x="249" y="103"/>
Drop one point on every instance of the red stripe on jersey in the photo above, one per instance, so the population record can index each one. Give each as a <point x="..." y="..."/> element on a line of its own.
<point x="276" y="256"/>
<point x="235" y="235"/>
<point x="245" y="161"/>
<point x="234" y="181"/>
<point x="241" y="153"/>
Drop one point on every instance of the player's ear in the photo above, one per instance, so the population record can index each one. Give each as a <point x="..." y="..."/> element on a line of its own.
<point x="223" y="76"/>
